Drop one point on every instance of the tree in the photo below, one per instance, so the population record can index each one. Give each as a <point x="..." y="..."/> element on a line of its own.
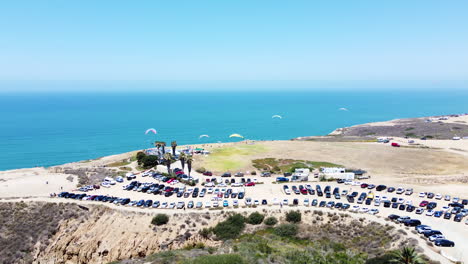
<point x="149" y="161"/>
<point x="189" y="163"/>
<point x="182" y="158"/>
<point x="407" y="255"/>
<point x="293" y="216"/>
<point x="255" y="218"/>
<point x="163" y="147"/>
<point x="168" y="159"/>
<point x="140" y="156"/>
<point x="160" y="219"/>
<point x="174" y="146"/>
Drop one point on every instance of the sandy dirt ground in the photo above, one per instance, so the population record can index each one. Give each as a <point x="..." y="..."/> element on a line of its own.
<point x="424" y="169"/>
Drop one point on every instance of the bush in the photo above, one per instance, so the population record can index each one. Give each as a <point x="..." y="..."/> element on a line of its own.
<point x="230" y="228"/>
<point x="293" y="216"/>
<point x="160" y="219"/>
<point x="286" y="230"/>
<point x="271" y="221"/>
<point x="200" y="170"/>
<point x="218" y="259"/>
<point x="255" y="218"/>
<point x="205" y="232"/>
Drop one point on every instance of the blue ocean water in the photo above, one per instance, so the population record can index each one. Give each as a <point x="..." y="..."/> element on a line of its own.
<point x="45" y="129"/>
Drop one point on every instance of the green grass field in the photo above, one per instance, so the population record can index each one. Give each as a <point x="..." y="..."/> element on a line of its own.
<point x="232" y="158"/>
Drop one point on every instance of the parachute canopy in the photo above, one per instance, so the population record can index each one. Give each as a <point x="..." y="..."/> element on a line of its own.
<point x="277" y="116"/>
<point x="343" y="109"/>
<point x="151" y="130"/>
<point x="203" y="136"/>
<point x="236" y="135"/>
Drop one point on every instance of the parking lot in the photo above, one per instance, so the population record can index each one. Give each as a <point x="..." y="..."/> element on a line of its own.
<point x="155" y="192"/>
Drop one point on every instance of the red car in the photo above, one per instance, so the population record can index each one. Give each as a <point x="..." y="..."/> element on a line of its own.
<point x="394" y="144"/>
<point x="250" y="184"/>
<point x="179" y="172"/>
<point x="423" y="204"/>
<point x="364" y="185"/>
<point x="208" y="173"/>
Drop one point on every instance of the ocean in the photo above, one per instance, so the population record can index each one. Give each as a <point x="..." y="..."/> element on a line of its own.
<point x="45" y="129"/>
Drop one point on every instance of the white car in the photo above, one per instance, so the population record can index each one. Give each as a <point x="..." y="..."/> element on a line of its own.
<point x="344" y="193"/>
<point x="276" y="201"/>
<point x="409" y="202"/>
<point x="423" y="228"/>
<point x="355" y="208"/>
<point x="419" y="211"/>
<point x="306" y="202"/>
<point x="210" y="190"/>
<point x="164" y="205"/>
<point x="422" y="194"/>
<point x="254" y="180"/>
<point x="373" y="211"/>
<point x="430" y="212"/>
<point x="466" y="222"/>
<point x="400" y="200"/>
<point x="248" y="201"/>
<point x="447" y="197"/>
<point x="445" y="208"/>
<point x="364" y="210"/>
<point x="172" y="205"/>
<point x="235" y="203"/>
<point x="207" y="204"/>
<point x="456" y="199"/>
<point x="285" y="202"/>
<point x="105" y="184"/>
<point x="400" y="190"/>
<point x="435" y="237"/>
<point x="256" y="202"/>
<point x="377" y="203"/>
<point x="199" y="205"/>
<point x="384" y="198"/>
<point x="215" y="204"/>
<point x="438" y="196"/>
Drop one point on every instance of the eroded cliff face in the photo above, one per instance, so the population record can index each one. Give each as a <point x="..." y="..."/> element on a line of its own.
<point x="109" y="235"/>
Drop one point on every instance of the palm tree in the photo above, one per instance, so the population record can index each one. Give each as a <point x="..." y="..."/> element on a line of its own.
<point x="163" y="146"/>
<point x="168" y="159"/>
<point x="182" y="158"/>
<point x="174" y="146"/>
<point x="407" y="255"/>
<point x="189" y="160"/>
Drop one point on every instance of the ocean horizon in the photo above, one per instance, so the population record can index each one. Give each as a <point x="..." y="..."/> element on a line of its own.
<point x="52" y="128"/>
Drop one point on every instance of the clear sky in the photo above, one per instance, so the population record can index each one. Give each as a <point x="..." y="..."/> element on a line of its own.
<point x="396" y="40"/>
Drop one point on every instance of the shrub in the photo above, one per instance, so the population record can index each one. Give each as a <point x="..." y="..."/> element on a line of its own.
<point x="205" y="232"/>
<point x="200" y="170"/>
<point x="218" y="259"/>
<point x="286" y="230"/>
<point x="255" y="218"/>
<point x="293" y="216"/>
<point x="160" y="219"/>
<point x="230" y="228"/>
<point x="271" y="221"/>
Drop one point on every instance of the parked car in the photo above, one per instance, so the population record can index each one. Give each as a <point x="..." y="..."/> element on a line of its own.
<point x="444" y="243"/>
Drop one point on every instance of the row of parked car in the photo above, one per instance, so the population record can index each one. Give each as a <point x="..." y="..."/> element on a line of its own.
<point x="455" y="209"/>
<point x="435" y="236"/>
<point x="183" y="191"/>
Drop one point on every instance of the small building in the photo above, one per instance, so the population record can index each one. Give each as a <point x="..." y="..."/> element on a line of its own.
<point x="300" y="175"/>
<point x="359" y="173"/>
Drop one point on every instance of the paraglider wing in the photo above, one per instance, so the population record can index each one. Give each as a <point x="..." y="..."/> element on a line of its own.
<point x="202" y="136"/>
<point x="236" y="135"/>
<point x="343" y="109"/>
<point x="277" y="116"/>
<point x="152" y="130"/>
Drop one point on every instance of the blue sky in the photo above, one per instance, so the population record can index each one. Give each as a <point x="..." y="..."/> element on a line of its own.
<point x="234" y="40"/>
